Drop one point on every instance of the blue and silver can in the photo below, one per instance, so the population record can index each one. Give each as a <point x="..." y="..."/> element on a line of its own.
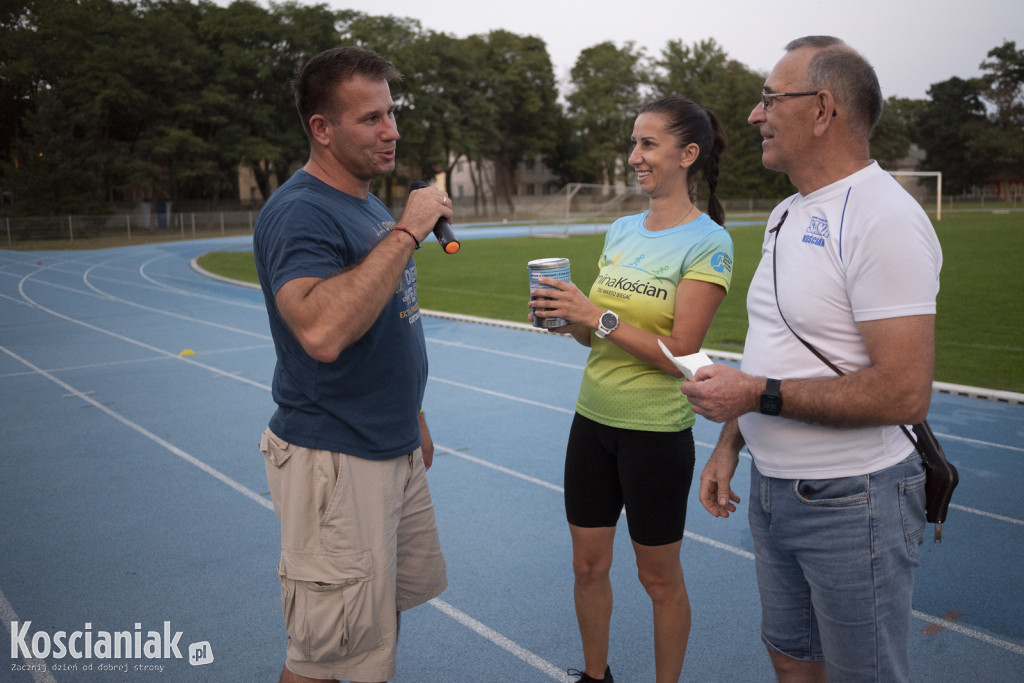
<point x="555" y="268"/>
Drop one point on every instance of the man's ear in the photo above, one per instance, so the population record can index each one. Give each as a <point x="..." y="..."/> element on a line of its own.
<point x="826" y="111"/>
<point x="319" y="129"/>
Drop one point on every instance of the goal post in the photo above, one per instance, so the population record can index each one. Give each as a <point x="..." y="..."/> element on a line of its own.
<point x="937" y="175"/>
<point x="579" y="204"/>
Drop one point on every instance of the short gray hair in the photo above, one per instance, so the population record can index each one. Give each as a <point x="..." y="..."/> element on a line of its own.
<point x="841" y="70"/>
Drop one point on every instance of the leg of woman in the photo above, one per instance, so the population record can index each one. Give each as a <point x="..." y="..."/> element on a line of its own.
<point x="593" y="502"/>
<point x="656" y="470"/>
<point x="592" y="591"/>
<point x="661" y="573"/>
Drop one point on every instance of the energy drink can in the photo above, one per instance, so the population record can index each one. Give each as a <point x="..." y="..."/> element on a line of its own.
<point x="555" y="268"/>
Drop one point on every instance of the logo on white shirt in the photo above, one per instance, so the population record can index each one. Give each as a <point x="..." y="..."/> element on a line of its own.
<point x="817" y="232"/>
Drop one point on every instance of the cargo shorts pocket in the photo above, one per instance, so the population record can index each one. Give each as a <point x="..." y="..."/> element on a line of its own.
<point x="275" y="450"/>
<point x="332" y="617"/>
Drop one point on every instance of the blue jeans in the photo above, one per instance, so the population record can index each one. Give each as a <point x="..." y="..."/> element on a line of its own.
<point x="835" y="561"/>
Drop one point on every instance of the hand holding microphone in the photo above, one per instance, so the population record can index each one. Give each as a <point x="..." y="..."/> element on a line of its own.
<point x="442" y="230"/>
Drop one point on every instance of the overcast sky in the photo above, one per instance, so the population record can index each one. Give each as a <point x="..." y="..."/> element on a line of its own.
<point x="911" y="43"/>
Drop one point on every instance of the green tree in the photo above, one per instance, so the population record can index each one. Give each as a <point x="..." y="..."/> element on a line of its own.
<point x="945" y="125"/>
<point x="397" y="40"/>
<point x="16" y="84"/>
<point x="450" y="108"/>
<point x="896" y="130"/>
<point x="246" y="109"/>
<point x="608" y="87"/>
<point x="521" y="94"/>
<point x="1002" y="142"/>
<point x="80" y="113"/>
<point x="708" y="76"/>
<point x="173" y="141"/>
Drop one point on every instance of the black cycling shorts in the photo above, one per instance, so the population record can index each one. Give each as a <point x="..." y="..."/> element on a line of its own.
<point x="648" y="472"/>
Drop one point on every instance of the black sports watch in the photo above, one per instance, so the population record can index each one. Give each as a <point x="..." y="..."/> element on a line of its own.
<point x="771" y="399"/>
<point x="607" y="324"/>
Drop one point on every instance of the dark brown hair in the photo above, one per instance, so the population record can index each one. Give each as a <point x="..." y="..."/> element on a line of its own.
<point x="689" y="122"/>
<point x="315" y="82"/>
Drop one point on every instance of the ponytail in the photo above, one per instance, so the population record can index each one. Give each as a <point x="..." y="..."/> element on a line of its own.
<point x="710" y="169"/>
<point x="690" y="122"/>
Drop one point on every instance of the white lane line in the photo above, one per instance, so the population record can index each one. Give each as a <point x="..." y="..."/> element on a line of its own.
<point x="269" y="505"/>
<point x="535" y="359"/>
<point x="971" y="633"/>
<point x="501" y="641"/>
<point x="129" y="340"/>
<point x="558" y="409"/>
<point x="15" y="300"/>
<point x="492" y="635"/>
<point x="554" y="487"/>
<point x="991" y="515"/>
<point x="507" y="397"/>
<point x="977" y="442"/>
<point x="135" y="361"/>
<point x="40" y="672"/>
<point x="499" y="468"/>
<point x="170" y="314"/>
<point x="216" y="474"/>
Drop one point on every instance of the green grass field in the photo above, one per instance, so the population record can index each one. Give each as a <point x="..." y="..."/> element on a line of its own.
<point x="980" y="325"/>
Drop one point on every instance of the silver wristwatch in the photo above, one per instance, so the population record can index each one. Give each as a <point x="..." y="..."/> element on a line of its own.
<point x="607" y="324"/>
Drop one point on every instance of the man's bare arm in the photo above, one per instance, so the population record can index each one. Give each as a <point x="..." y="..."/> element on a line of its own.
<point x="894" y="389"/>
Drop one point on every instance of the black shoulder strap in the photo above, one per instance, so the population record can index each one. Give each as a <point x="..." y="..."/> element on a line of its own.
<point x="775" y="283"/>
<point x="810" y="347"/>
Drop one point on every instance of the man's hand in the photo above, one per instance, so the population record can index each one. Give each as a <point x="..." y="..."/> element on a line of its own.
<point x="426" y="442"/>
<point x="423" y="208"/>
<point x="721" y="392"/>
<point x="715" y="494"/>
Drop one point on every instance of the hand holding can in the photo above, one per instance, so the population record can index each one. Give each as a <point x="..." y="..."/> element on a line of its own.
<point x="555" y="268"/>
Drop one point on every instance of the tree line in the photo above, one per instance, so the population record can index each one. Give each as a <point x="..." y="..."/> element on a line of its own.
<point x="102" y="97"/>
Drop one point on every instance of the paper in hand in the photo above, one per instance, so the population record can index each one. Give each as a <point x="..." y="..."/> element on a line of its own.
<point x="688" y="365"/>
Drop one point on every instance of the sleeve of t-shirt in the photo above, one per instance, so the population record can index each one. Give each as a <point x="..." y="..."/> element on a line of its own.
<point x="711" y="260"/>
<point x="307" y="243"/>
<point x="893" y="266"/>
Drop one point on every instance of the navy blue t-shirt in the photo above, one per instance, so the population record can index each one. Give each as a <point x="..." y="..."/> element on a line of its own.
<point x="366" y="403"/>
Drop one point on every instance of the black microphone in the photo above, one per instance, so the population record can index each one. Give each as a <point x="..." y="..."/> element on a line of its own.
<point x="442" y="231"/>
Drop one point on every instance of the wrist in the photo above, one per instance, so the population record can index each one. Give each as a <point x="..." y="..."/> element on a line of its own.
<point x="399" y="229"/>
<point x="770" y="400"/>
<point x="607" y="323"/>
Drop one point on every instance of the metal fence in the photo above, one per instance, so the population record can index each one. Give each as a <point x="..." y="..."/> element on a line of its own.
<point x="127" y="226"/>
<point x="140" y="226"/>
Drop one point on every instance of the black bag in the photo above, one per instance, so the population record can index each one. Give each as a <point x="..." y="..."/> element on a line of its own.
<point x="940" y="475"/>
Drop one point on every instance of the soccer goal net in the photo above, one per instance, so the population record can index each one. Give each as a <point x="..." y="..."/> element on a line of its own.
<point x="579" y="205"/>
<point x="915" y="181"/>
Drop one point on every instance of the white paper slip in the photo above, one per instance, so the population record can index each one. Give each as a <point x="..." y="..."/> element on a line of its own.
<point x="688" y="365"/>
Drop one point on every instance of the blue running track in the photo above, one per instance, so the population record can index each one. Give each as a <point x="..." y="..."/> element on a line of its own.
<point x="133" y="499"/>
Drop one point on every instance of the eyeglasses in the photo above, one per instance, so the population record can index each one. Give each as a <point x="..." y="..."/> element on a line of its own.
<point x="767" y="98"/>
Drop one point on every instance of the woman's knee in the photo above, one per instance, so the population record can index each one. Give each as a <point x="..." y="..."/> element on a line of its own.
<point x="591" y="569"/>
<point x="660" y="571"/>
<point x="592" y="551"/>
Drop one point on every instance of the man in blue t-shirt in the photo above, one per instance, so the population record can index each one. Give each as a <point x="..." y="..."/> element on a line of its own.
<point x="348" y="446"/>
